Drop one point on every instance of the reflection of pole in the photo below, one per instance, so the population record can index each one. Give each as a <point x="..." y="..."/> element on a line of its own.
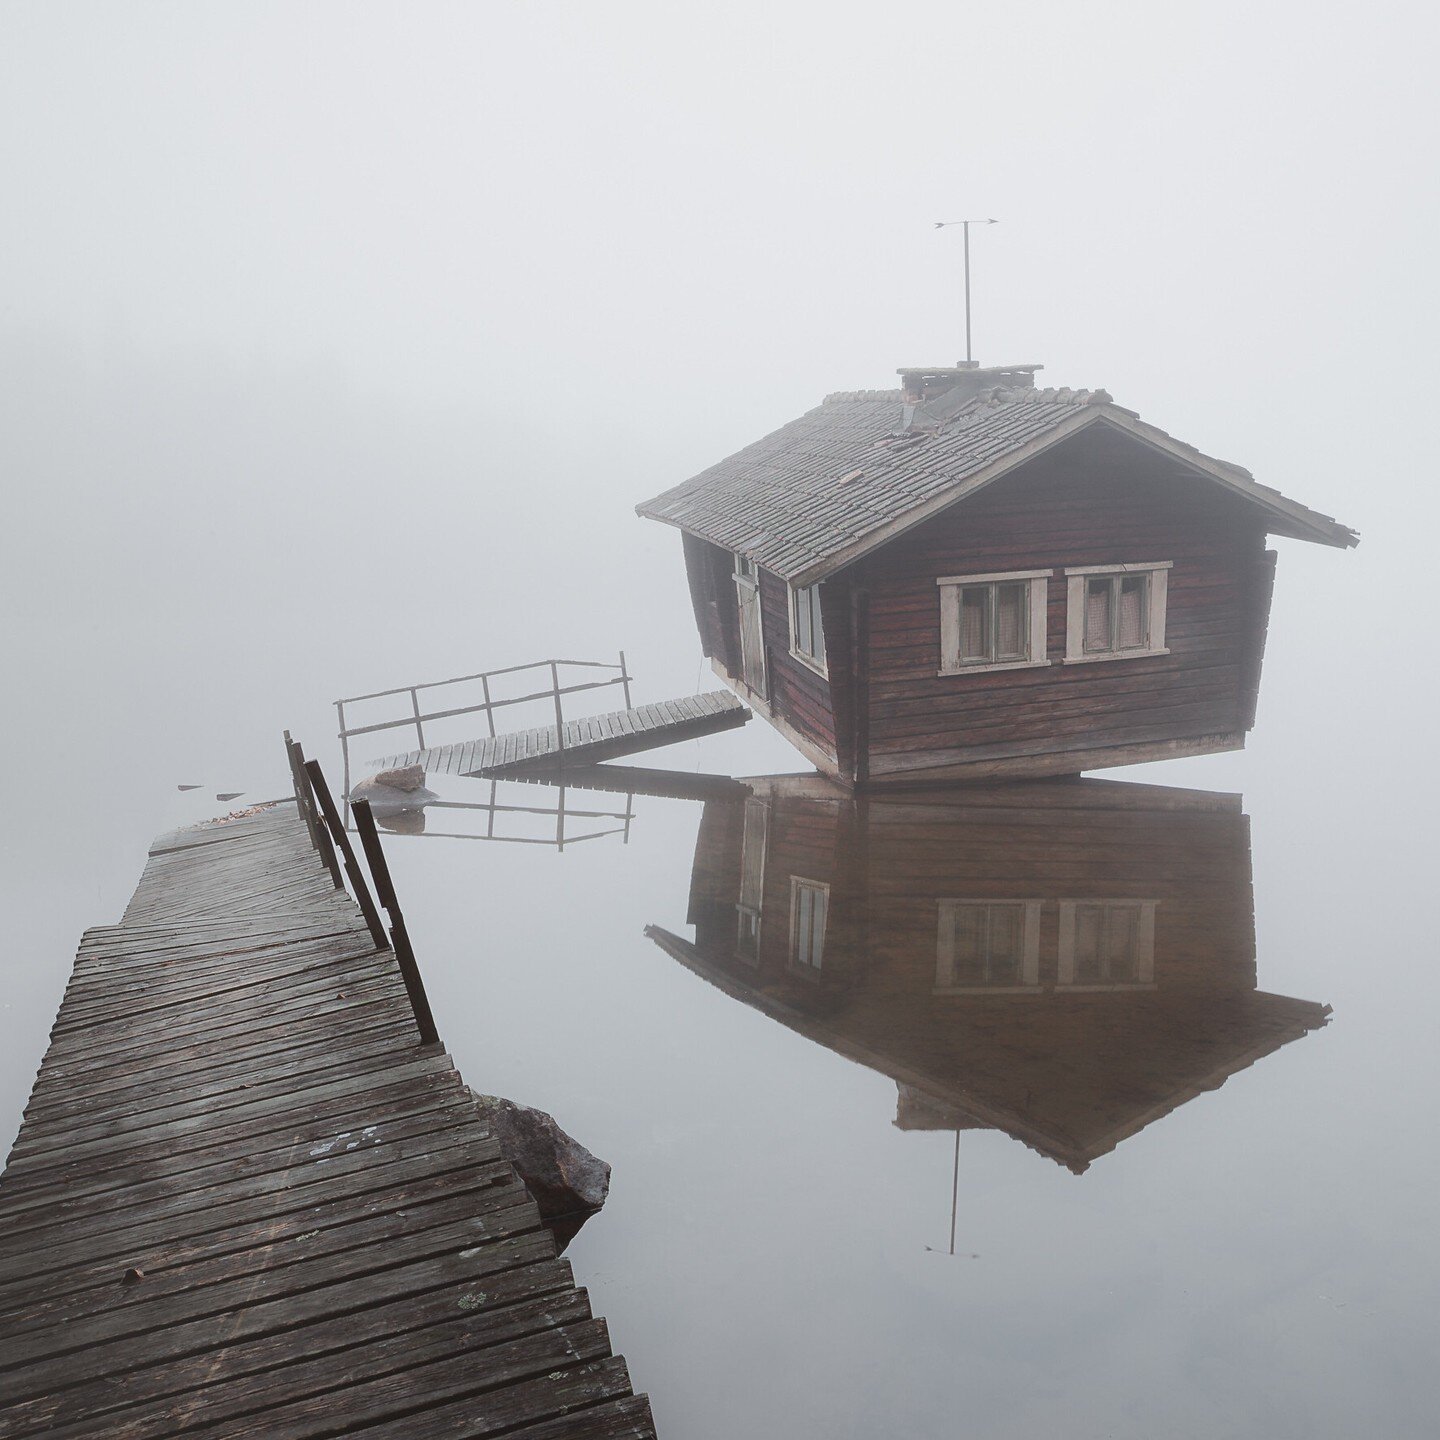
<point x="955" y="1192"/>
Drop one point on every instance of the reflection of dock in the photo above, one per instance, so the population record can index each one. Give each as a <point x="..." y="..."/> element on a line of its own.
<point x="246" y="1198"/>
<point x="585" y="741"/>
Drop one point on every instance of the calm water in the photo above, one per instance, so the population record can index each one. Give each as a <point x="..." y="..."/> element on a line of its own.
<point x="783" y="1021"/>
<point x="1252" y="1258"/>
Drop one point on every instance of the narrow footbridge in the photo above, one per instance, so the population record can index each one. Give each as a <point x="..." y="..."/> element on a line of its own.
<point x="582" y="742"/>
<point x="248" y="1200"/>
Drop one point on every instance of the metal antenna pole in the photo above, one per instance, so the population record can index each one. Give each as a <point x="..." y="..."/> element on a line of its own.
<point x="965" y="226"/>
<point x="969" y="359"/>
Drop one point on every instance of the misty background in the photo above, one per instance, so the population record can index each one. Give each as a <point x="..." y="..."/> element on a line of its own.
<point x="337" y="343"/>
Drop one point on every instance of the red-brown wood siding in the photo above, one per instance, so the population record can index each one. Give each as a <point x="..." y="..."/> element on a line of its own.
<point x="1094" y="501"/>
<point x="797" y="693"/>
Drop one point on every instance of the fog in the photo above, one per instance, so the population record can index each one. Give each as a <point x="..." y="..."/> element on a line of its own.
<point x="338" y="342"/>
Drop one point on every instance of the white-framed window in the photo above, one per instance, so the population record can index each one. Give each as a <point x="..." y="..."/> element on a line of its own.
<point x="988" y="946"/>
<point x="807" y="634"/>
<point x="1115" y="612"/>
<point x="809" y="906"/>
<point x="750" y="905"/>
<point x="992" y="622"/>
<point x="1107" y="945"/>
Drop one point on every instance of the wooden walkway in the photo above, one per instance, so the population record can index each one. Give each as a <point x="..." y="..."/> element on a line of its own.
<point x="592" y="739"/>
<point x="246" y="1201"/>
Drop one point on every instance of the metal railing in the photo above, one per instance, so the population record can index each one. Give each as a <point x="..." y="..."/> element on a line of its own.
<point x="487" y="706"/>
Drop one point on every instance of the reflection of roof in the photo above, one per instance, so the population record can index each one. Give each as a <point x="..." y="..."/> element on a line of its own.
<point x="844" y="478"/>
<point x="1070" y="1078"/>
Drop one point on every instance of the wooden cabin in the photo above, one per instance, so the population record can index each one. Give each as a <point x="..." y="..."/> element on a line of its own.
<point x="1066" y="961"/>
<point x="971" y="577"/>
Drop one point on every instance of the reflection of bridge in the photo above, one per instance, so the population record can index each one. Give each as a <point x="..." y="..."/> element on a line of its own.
<point x="1064" y="961"/>
<point x="541" y="749"/>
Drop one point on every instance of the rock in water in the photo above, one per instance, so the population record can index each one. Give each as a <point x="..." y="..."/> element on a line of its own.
<point x="400" y="789"/>
<point x="402" y="777"/>
<point x="567" y="1182"/>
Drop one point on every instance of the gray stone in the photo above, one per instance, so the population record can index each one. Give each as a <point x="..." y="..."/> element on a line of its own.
<point x="564" y="1178"/>
<point x="390" y="790"/>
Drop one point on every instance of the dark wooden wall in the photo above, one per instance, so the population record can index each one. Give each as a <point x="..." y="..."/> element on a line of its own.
<point x="1098" y="499"/>
<point x="798" y="695"/>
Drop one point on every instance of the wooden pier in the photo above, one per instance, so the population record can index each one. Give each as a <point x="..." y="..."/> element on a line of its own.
<point x="582" y="742"/>
<point x="246" y="1198"/>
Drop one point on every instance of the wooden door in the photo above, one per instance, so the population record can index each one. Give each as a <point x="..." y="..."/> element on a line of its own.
<point x="752" y="631"/>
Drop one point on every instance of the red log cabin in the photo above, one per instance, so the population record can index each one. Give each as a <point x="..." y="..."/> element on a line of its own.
<point x="971" y="577"/>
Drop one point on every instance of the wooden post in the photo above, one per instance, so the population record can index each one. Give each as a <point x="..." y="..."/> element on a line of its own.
<point x="358" y="886"/>
<point x="319" y="835"/>
<point x="625" y="680"/>
<point x="560" y="821"/>
<point x="344" y="754"/>
<point x="559" y="714"/>
<point x="419" y="729"/>
<point x="404" y="954"/>
<point x="489" y="709"/>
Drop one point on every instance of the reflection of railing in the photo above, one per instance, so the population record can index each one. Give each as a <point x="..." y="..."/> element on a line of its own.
<point x="559" y="812"/>
<point x="487" y="706"/>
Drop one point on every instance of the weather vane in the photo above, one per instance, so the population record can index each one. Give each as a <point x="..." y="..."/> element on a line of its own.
<point x="945" y="224"/>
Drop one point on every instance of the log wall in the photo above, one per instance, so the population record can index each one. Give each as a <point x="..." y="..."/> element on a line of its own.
<point x="1095" y="503"/>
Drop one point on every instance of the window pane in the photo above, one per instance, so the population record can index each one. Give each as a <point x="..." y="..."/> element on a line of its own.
<point x="1089" y="920"/>
<point x="1097" y="612"/>
<point x="1006" y="927"/>
<point x="819" y="901"/>
<point x="1122" y="942"/>
<point x="802" y="622"/>
<point x="975" y="623"/>
<point x="1132" y="611"/>
<point x="1010" y="637"/>
<point x="817" y="633"/>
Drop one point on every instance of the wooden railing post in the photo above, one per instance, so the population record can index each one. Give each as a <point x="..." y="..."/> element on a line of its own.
<point x="344" y="754"/>
<point x="625" y="680"/>
<point x="305" y="799"/>
<point x="489" y="709"/>
<point x="559" y="713"/>
<point x="404" y="954"/>
<point x="419" y="729"/>
<point x="358" y="886"/>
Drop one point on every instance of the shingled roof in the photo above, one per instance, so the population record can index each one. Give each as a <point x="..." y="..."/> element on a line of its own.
<point x="865" y="465"/>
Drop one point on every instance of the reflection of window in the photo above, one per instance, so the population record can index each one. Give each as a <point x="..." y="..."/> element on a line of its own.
<point x="992" y="622"/>
<point x="1106" y="944"/>
<point x="809" y="900"/>
<point x="807" y="635"/>
<point x="988" y="945"/>
<point x="1115" y="612"/>
<point x="752" y="881"/>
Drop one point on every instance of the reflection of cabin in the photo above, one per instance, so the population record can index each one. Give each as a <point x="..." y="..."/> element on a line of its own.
<point x="973" y="577"/>
<point x="1066" y="961"/>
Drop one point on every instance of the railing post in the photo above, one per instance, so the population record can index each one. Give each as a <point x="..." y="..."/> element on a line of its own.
<point x="344" y="753"/>
<point x="342" y="843"/>
<point x="419" y="729"/>
<point x="489" y="709"/>
<point x="560" y="821"/>
<point x="305" y="799"/>
<point x="404" y="954"/>
<point x="559" y="713"/>
<point x="625" y="680"/>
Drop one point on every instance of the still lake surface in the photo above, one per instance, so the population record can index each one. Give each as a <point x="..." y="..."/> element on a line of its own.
<point x="1202" y="1209"/>
<point x="1032" y="1023"/>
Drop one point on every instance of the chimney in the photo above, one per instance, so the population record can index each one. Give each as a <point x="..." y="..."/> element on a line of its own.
<point x="934" y="393"/>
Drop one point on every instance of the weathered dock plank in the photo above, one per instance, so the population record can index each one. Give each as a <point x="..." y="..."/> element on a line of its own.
<point x="245" y="1199"/>
<point x="586" y="741"/>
